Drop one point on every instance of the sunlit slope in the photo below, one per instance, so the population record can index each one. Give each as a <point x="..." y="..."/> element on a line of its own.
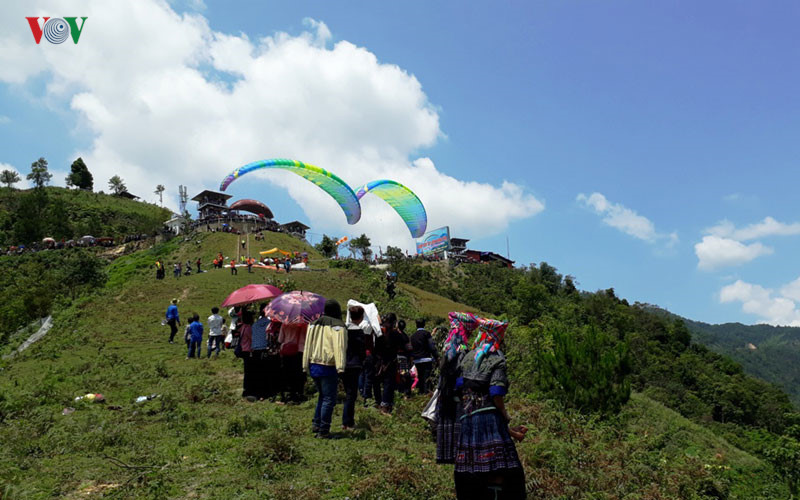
<point x="199" y="439"/>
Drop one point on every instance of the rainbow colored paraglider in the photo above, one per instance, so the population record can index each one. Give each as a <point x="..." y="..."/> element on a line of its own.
<point x="398" y="196"/>
<point x="327" y="181"/>
<point x="403" y="200"/>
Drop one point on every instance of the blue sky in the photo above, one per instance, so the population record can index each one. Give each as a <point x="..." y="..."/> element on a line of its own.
<point x="679" y="115"/>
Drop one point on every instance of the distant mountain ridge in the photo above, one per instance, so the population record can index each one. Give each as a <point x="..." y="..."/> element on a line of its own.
<point x="771" y="353"/>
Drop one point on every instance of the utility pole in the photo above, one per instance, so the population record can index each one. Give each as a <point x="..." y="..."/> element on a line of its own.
<point x="508" y="249"/>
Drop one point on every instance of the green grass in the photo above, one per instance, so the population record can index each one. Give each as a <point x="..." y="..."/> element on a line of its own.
<point x="199" y="439"/>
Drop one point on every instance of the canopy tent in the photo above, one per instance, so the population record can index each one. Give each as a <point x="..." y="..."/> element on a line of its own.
<point x="253" y="206"/>
<point x="274" y="250"/>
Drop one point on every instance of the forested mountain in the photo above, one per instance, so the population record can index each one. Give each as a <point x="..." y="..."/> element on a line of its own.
<point x="771" y="353"/>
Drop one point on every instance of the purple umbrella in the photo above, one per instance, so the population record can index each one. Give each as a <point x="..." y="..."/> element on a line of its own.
<point x="296" y="307"/>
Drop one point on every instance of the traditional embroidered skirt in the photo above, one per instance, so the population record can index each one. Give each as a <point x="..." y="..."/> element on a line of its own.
<point x="484" y="444"/>
<point x="447" y="429"/>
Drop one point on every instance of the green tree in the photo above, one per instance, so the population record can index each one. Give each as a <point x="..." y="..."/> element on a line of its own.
<point x="79" y="176"/>
<point x="590" y="374"/>
<point x="117" y="185"/>
<point x="9" y="178"/>
<point x="160" y="192"/>
<point x="39" y="174"/>
<point x="327" y="247"/>
<point x="361" y="244"/>
<point x="394" y="254"/>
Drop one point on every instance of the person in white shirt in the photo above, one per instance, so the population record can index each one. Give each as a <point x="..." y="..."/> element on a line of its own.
<point x="216" y="331"/>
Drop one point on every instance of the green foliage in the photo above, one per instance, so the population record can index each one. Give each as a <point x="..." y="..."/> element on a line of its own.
<point x="327" y="247"/>
<point x="587" y="372"/>
<point x="9" y="178"/>
<point x="394" y="254"/>
<point x="160" y="192"/>
<point x="785" y="457"/>
<point x="117" y="185"/>
<point x="28" y="216"/>
<point x="79" y="176"/>
<point x="39" y="174"/>
<point x="28" y="227"/>
<point x="32" y="284"/>
<point x="361" y="245"/>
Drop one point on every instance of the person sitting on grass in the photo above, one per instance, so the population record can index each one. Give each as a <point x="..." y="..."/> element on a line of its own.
<point x="195" y="337"/>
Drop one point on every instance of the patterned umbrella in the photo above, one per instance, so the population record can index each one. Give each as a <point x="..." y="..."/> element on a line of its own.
<point x="251" y="293"/>
<point x="296" y="307"/>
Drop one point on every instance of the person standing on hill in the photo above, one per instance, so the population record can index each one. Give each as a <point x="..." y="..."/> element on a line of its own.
<point x="387" y="346"/>
<point x="198" y="265"/>
<point x="324" y="358"/>
<point x="287" y="264"/>
<point x="215" y="333"/>
<point x="357" y="332"/>
<point x="233" y="267"/>
<point x="176" y="270"/>
<point x="249" y="265"/>
<point x="404" y="362"/>
<point x="195" y="337"/>
<point x="292" y="339"/>
<point x="424" y="353"/>
<point x="258" y="351"/>
<point x="159" y="270"/>
<point x="486" y="460"/>
<point x="173" y="320"/>
<point x="251" y="366"/>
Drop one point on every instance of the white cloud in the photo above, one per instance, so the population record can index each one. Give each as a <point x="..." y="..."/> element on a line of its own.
<point x="4" y="119"/>
<point x="723" y="244"/>
<point x="625" y="219"/>
<point x="765" y="228"/>
<point x="769" y="306"/>
<point x="23" y="183"/>
<point x="171" y="101"/>
<point x="714" y="252"/>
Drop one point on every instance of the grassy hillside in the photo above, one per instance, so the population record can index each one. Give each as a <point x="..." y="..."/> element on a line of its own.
<point x="28" y="216"/>
<point x="199" y="439"/>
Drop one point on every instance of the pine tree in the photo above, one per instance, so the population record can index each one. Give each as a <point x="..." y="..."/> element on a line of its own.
<point x="590" y="373"/>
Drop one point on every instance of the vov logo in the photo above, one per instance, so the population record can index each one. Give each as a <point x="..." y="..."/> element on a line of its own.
<point x="56" y="29"/>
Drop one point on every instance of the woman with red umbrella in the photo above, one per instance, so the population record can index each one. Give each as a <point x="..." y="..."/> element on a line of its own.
<point x="252" y="347"/>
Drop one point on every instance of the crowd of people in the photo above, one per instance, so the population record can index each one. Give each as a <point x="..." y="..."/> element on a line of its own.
<point x="371" y="362"/>
<point x="377" y="360"/>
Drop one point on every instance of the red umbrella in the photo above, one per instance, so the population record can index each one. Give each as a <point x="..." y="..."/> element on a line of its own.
<point x="251" y="293"/>
<point x="296" y="307"/>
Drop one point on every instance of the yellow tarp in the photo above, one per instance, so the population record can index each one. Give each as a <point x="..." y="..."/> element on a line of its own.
<point x="276" y="249"/>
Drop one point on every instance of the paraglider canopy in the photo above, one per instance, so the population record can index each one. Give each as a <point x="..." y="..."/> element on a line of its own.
<point x="274" y="250"/>
<point x="329" y="182"/>
<point x="403" y="200"/>
<point x="252" y="206"/>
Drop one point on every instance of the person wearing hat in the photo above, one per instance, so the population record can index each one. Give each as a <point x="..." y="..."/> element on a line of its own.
<point x="173" y="320"/>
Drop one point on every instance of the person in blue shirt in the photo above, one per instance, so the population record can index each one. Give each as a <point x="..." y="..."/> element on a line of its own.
<point x="173" y="320"/>
<point x="195" y="336"/>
